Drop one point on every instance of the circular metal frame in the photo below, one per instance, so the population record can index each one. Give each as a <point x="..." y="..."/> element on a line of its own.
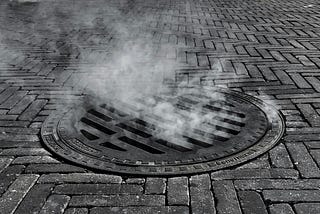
<point x="60" y="140"/>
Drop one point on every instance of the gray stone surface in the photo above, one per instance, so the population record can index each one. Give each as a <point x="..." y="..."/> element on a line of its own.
<point x="49" y="52"/>
<point x="178" y="191"/>
<point x="226" y="196"/>
<point x="55" y="204"/>
<point x="10" y="200"/>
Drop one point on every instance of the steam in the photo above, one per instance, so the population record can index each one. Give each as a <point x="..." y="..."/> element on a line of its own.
<point x="135" y="74"/>
<point x="119" y="58"/>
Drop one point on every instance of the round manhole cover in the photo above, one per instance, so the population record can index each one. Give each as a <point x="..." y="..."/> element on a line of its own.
<point x="175" y="133"/>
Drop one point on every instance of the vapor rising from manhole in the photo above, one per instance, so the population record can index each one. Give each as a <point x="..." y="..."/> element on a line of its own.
<point x="142" y="138"/>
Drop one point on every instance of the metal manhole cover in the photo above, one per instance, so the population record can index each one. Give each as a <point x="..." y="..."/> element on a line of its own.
<point x="136" y="139"/>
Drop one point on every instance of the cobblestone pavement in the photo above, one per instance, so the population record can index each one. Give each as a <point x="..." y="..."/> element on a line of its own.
<point x="266" y="48"/>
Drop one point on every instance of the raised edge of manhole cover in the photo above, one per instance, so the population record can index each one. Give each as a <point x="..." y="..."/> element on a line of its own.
<point x="122" y="138"/>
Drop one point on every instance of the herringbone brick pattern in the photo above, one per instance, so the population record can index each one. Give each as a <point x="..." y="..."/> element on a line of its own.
<point x="269" y="49"/>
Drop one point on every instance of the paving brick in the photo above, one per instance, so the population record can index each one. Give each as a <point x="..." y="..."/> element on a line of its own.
<point x="52" y="168"/>
<point x="30" y="113"/>
<point x="155" y="186"/>
<point x="302" y="208"/>
<point x="202" y="200"/>
<point x="8" y="175"/>
<point x="310" y="114"/>
<point x="25" y="152"/>
<point x="34" y="199"/>
<point x="251" y="202"/>
<point x="7" y="93"/>
<point x="34" y="159"/>
<point x="303" y="160"/>
<point x="141" y="210"/>
<point x="80" y="178"/>
<point x="254" y="173"/>
<point x="226" y="196"/>
<point x="13" y="100"/>
<point x="4" y="163"/>
<point x="18" y="137"/>
<point x="76" y="211"/>
<point x="5" y="123"/>
<point x="316" y="155"/>
<point x="261" y="184"/>
<point x="314" y="82"/>
<point x="22" y="104"/>
<point x="279" y="157"/>
<point x="10" y="200"/>
<point x="283" y="77"/>
<point x="258" y="163"/>
<point x="55" y="204"/>
<point x="280" y="209"/>
<point x="300" y="81"/>
<point x="91" y="189"/>
<point x="292" y="195"/>
<point x="178" y="191"/>
<point x="313" y="144"/>
<point x="117" y="200"/>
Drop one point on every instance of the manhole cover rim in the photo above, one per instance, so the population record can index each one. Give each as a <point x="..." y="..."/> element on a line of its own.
<point x="260" y="147"/>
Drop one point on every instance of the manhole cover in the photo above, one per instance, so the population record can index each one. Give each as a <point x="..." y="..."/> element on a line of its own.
<point x="203" y="130"/>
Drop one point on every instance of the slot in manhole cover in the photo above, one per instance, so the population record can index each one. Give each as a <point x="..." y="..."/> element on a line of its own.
<point x="143" y="139"/>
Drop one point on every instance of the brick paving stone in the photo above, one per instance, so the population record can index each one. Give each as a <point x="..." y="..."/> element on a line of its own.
<point x="19" y="144"/>
<point x="13" y="100"/>
<point x="300" y="81"/>
<point x="283" y="77"/>
<point x="291" y="195"/>
<point x="226" y="196"/>
<point x="202" y="200"/>
<point x="76" y="211"/>
<point x="52" y="168"/>
<point x="254" y="173"/>
<point x="279" y="157"/>
<point x="316" y="156"/>
<point x="8" y="175"/>
<point x="7" y="93"/>
<point x="4" y="163"/>
<point x="258" y="163"/>
<point x="34" y="199"/>
<point x="133" y="180"/>
<point x="14" y="123"/>
<point x="280" y="209"/>
<point x="55" y="204"/>
<point x="30" y="113"/>
<point x="252" y="203"/>
<point x="80" y="178"/>
<point x="261" y="184"/>
<point x="303" y="160"/>
<point x="22" y="104"/>
<point x="91" y="189"/>
<point x="25" y="131"/>
<point x="310" y="114"/>
<point x="141" y="210"/>
<point x="10" y="200"/>
<point x="302" y="208"/>
<point x="314" y="82"/>
<point x="18" y="137"/>
<point x="301" y="137"/>
<point x="178" y="191"/>
<point x="313" y="144"/>
<point x="34" y="159"/>
<point x="117" y="200"/>
<point x="155" y="186"/>
<point x="25" y="152"/>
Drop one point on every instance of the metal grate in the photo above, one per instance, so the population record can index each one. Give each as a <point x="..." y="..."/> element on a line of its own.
<point x="124" y="138"/>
